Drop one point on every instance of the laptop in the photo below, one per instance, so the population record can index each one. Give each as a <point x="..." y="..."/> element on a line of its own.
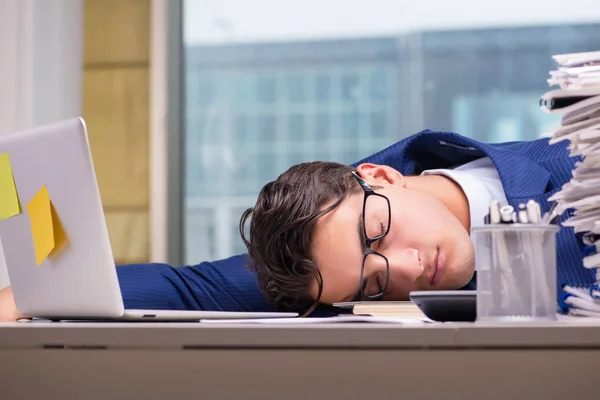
<point x="77" y="280"/>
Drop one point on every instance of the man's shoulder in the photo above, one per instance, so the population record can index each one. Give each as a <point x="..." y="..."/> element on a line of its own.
<point x="539" y="150"/>
<point x="456" y="147"/>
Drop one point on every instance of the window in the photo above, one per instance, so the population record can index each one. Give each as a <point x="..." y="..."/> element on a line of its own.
<point x="323" y="124"/>
<point x="266" y="129"/>
<point x="264" y="91"/>
<point x="378" y="124"/>
<point x="378" y="88"/>
<point x="296" y="127"/>
<point x="296" y="87"/>
<point x="351" y="89"/>
<point x="350" y="124"/>
<point x="200" y="220"/>
<point x="322" y="87"/>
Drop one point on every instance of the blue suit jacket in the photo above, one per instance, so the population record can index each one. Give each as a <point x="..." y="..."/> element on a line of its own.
<point x="528" y="170"/>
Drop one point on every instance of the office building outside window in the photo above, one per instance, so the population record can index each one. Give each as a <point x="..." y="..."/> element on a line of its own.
<point x="254" y="109"/>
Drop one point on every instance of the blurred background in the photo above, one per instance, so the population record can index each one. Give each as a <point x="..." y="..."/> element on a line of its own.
<point x="192" y="106"/>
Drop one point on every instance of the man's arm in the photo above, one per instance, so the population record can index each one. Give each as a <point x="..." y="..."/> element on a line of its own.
<point x="223" y="285"/>
<point x="8" y="309"/>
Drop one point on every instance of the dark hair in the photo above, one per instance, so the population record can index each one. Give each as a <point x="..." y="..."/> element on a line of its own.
<point x="282" y="224"/>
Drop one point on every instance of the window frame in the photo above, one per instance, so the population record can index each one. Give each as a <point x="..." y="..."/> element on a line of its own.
<point x="167" y="127"/>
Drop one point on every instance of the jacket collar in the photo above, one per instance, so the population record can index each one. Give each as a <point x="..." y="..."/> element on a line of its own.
<point x="520" y="176"/>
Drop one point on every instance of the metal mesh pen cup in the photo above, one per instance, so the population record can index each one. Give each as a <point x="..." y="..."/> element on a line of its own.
<point x="516" y="272"/>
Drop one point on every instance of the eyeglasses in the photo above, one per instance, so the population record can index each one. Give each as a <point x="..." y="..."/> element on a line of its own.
<point x="374" y="224"/>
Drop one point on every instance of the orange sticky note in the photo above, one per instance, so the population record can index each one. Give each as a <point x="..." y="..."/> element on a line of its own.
<point x="9" y="198"/>
<point x="46" y="229"/>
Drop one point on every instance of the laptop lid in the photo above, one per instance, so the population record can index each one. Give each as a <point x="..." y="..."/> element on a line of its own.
<point x="75" y="275"/>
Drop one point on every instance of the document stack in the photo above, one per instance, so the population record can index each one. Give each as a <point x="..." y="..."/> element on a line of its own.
<point x="578" y="102"/>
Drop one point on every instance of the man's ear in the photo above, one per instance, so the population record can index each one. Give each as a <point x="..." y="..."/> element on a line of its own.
<point x="375" y="174"/>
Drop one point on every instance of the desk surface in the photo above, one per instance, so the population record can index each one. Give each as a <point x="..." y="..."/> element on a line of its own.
<point x="180" y="360"/>
<point x="578" y="334"/>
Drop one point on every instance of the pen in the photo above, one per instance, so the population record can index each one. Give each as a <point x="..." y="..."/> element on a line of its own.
<point x="495" y="212"/>
<point x="533" y="212"/>
<point x="552" y="216"/>
<point x="507" y="214"/>
<point x="523" y="218"/>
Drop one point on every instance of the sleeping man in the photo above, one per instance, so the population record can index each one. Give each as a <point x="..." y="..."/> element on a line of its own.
<point x="409" y="208"/>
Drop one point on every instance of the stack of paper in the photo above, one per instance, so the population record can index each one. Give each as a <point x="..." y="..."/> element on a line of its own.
<point x="578" y="103"/>
<point x="576" y="71"/>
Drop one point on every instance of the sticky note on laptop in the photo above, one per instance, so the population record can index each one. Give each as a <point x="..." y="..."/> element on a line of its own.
<point x="9" y="197"/>
<point x="46" y="229"/>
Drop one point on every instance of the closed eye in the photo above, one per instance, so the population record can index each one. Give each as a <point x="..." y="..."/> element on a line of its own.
<point x="380" y="241"/>
<point x="379" y="283"/>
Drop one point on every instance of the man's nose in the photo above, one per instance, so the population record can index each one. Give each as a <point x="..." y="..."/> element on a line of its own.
<point x="406" y="263"/>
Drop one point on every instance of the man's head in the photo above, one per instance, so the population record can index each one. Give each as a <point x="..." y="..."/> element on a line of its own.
<point x="305" y="241"/>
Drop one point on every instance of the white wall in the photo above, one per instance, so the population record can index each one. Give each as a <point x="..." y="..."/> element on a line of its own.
<point x="40" y="66"/>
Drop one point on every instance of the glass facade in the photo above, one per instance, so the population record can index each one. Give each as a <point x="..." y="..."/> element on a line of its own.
<point x="253" y="110"/>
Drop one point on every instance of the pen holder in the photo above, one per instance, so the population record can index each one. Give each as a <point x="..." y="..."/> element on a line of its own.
<point x="516" y="272"/>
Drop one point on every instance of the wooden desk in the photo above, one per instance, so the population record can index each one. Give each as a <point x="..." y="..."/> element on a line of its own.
<point x="368" y="361"/>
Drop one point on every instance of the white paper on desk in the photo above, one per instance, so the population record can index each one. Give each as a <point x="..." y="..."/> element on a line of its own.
<point x="590" y="111"/>
<point x="329" y="320"/>
<point x="592" y="200"/>
<point x="592" y="157"/>
<point x="571" y="193"/>
<point x="582" y="225"/>
<point x="582" y="174"/>
<point x="591" y="261"/>
<point x="584" y="218"/>
<point x="565" y="74"/>
<point x="578" y="292"/>
<point x="596" y="230"/>
<point x="583" y="82"/>
<point x="577" y="126"/>
<point x="587" y="81"/>
<point x="577" y="59"/>
<point x="585" y="211"/>
<point x="578" y="312"/>
<point x="579" y="317"/>
<point x="581" y="141"/>
<point x="586" y="172"/>
<point x="585" y="139"/>
<point x="583" y="304"/>
<point x="583" y="184"/>
<point x="590" y="135"/>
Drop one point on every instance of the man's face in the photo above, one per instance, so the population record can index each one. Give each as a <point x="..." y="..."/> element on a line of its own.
<point x="427" y="247"/>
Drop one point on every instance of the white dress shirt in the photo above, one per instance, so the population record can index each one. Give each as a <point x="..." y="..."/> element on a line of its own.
<point x="481" y="184"/>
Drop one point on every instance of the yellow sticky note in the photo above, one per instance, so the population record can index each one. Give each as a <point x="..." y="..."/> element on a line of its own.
<point x="60" y="238"/>
<point x="46" y="229"/>
<point x="9" y="198"/>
